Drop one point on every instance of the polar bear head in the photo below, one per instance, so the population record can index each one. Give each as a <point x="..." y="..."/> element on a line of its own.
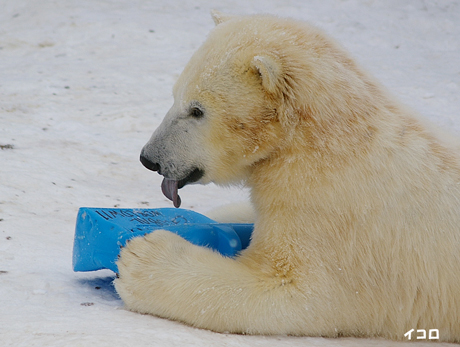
<point x="237" y="101"/>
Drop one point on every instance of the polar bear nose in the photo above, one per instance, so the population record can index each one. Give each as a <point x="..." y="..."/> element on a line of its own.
<point x="149" y="164"/>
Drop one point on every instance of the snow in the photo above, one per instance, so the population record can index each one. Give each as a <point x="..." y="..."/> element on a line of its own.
<point x="84" y="83"/>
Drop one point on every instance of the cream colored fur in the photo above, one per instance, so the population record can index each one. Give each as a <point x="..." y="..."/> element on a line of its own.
<point x="357" y="204"/>
<point x="237" y="212"/>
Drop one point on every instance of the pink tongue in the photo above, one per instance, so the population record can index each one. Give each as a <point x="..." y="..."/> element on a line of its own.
<point x="169" y="189"/>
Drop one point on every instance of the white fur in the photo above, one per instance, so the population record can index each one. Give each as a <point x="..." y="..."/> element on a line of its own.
<point x="357" y="204"/>
<point x="242" y="212"/>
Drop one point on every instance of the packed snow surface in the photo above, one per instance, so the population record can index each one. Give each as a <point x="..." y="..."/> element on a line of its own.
<point x="84" y="83"/>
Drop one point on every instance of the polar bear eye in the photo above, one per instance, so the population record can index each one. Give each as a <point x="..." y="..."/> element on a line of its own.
<point x="195" y="112"/>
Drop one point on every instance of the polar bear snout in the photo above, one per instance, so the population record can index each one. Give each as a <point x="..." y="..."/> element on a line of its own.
<point x="171" y="164"/>
<point x="148" y="163"/>
<point x="191" y="175"/>
<point x="166" y="167"/>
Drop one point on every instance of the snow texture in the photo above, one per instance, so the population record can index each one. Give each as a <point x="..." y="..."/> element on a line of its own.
<point x="83" y="84"/>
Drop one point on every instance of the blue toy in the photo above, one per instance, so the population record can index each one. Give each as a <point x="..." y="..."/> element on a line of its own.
<point x="100" y="232"/>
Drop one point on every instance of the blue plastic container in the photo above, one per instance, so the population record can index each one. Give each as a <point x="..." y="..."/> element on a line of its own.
<point x="100" y="232"/>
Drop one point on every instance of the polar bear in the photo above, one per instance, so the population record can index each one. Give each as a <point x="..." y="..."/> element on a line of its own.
<point x="357" y="203"/>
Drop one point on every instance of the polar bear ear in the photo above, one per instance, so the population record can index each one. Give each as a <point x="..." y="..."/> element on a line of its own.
<point x="269" y="69"/>
<point x="219" y="17"/>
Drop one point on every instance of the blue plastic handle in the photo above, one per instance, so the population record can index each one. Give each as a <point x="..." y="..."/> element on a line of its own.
<point x="100" y="232"/>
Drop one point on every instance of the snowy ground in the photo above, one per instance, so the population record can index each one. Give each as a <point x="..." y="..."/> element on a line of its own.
<point x="83" y="83"/>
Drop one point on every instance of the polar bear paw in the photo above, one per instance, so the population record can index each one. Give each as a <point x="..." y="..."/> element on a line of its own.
<point x="148" y="268"/>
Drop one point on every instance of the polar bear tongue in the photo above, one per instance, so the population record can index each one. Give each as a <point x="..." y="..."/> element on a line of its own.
<point x="169" y="189"/>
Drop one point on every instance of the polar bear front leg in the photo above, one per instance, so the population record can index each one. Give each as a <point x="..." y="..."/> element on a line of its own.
<point x="238" y="212"/>
<point x="164" y="275"/>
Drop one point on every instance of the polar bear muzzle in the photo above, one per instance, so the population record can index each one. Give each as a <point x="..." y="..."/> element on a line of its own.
<point x="170" y="187"/>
